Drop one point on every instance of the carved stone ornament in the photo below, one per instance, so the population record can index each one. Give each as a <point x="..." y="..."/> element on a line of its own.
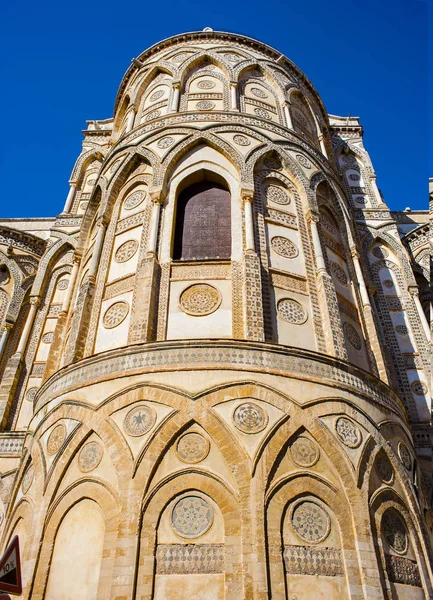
<point x="200" y="299"/>
<point x="259" y="92"/>
<point x="402" y="330"/>
<point x="339" y="273"/>
<point x="310" y="522"/>
<point x="302" y="160"/>
<point x="134" y="200"/>
<point x="388" y="283"/>
<point x="115" y="314"/>
<point x="126" y="251"/>
<point x="47" y="338"/>
<point x="241" y="140"/>
<point x="418" y="388"/>
<point x="156" y="95"/>
<point x="263" y="114"/>
<point x="394" y="531"/>
<point x="206" y="84"/>
<point x="404" y="455"/>
<point x="304" y="452"/>
<point x="56" y="439"/>
<point x="28" y="479"/>
<point x="384" y="468"/>
<point x="139" y="420"/>
<point x="284" y="247"/>
<point x="205" y="105"/>
<point x="192" y="448"/>
<point x="90" y="456"/>
<point x="348" y="432"/>
<point x="63" y="284"/>
<point x="153" y="115"/>
<point x="191" y="516"/>
<point x="250" y="418"/>
<point x="165" y="142"/>
<point x="352" y="336"/>
<point x="291" y="311"/>
<point x="277" y="195"/>
<point x="31" y="394"/>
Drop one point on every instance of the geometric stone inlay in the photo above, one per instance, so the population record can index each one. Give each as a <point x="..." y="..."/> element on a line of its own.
<point x="352" y="336"/>
<point x="206" y="84"/>
<point x="263" y="114"/>
<point x="139" y="420"/>
<point x="259" y="92"/>
<point x="90" y="456"/>
<point x="305" y="560"/>
<point x="394" y="531"/>
<point x="419" y="388"/>
<point x="305" y="453"/>
<point x="189" y="558"/>
<point x="277" y="195"/>
<point x="28" y="479"/>
<point x="63" y="284"/>
<point x="56" y="439"/>
<point x="402" y="570"/>
<point x="153" y="115"/>
<point x="348" y="432"/>
<point x="115" y="314"/>
<point x="47" y="338"/>
<point x="339" y="273"/>
<point x="192" y="448"/>
<point x="31" y="393"/>
<point x="11" y="446"/>
<point x="191" y="516"/>
<point x="199" y="300"/>
<point x="404" y="455"/>
<point x="310" y="522"/>
<point x="388" y="283"/>
<point x="126" y="251"/>
<point x="250" y="418"/>
<point x="384" y="468"/>
<point x="134" y="200"/>
<point x="165" y="142"/>
<point x="284" y="247"/>
<point x="291" y="311"/>
<point x="156" y="95"/>
<point x="304" y="161"/>
<point x="205" y="105"/>
<point x="241" y="140"/>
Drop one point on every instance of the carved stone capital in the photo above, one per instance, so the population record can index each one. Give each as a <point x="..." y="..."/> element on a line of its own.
<point x="413" y="290"/>
<point x="35" y="300"/>
<point x="156" y="196"/>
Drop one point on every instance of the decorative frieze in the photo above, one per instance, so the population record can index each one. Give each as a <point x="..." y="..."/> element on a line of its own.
<point x="186" y="559"/>
<point x="307" y="560"/>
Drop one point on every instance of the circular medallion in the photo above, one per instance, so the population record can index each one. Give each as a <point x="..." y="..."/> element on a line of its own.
<point x="394" y="531"/>
<point x="310" y="522"/>
<point x="205" y="105"/>
<point x="250" y="418"/>
<point x="90" y="456"/>
<point x="302" y="160"/>
<point x="31" y="394"/>
<point x="165" y="142"/>
<point x="56" y="439"/>
<point x="339" y="273"/>
<point x="180" y="57"/>
<point x="360" y="199"/>
<point x="206" y="84"/>
<point x="260" y="112"/>
<point x="192" y="448"/>
<point x="348" y="432"/>
<point x="291" y="311"/>
<point x="259" y="92"/>
<point x="404" y="455"/>
<point x="63" y="284"/>
<point x="139" y="420"/>
<point x="388" y="283"/>
<point x="47" y="338"/>
<point x="200" y="299"/>
<point x="402" y="330"/>
<point x="156" y="95"/>
<point x="115" y="314"/>
<point x="28" y="479"/>
<point x="277" y="195"/>
<point x="134" y="200"/>
<point x="380" y="252"/>
<point x="352" y="336"/>
<point x="305" y="453"/>
<point x="284" y="247"/>
<point x="115" y="165"/>
<point x="153" y="115"/>
<point x="354" y="177"/>
<point x="384" y="468"/>
<point x="232" y="57"/>
<point x="191" y="516"/>
<point x="91" y="182"/>
<point x="126" y="251"/>
<point x="418" y="388"/>
<point x="241" y="140"/>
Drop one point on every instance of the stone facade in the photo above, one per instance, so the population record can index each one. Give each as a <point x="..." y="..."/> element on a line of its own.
<point x="253" y="423"/>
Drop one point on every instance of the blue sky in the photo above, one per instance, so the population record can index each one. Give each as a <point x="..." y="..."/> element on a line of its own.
<point x="63" y="62"/>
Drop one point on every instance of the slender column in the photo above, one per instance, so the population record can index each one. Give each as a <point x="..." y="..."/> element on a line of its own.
<point x="130" y="123"/>
<point x="70" y="198"/>
<point x="376" y="190"/>
<point x="98" y="249"/>
<point x="288" y="115"/>
<point x="5" y="334"/>
<point x="321" y="266"/>
<point x="69" y="291"/>
<point x="413" y="291"/>
<point x="249" y="225"/>
<point x="34" y="303"/>
<point x="361" y="281"/>
<point x="154" y="223"/>
<point x="233" y="96"/>
<point x="322" y="145"/>
<point x="175" y="98"/>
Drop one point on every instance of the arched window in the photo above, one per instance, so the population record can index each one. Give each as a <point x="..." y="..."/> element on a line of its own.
<point x="203" y="223"/>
